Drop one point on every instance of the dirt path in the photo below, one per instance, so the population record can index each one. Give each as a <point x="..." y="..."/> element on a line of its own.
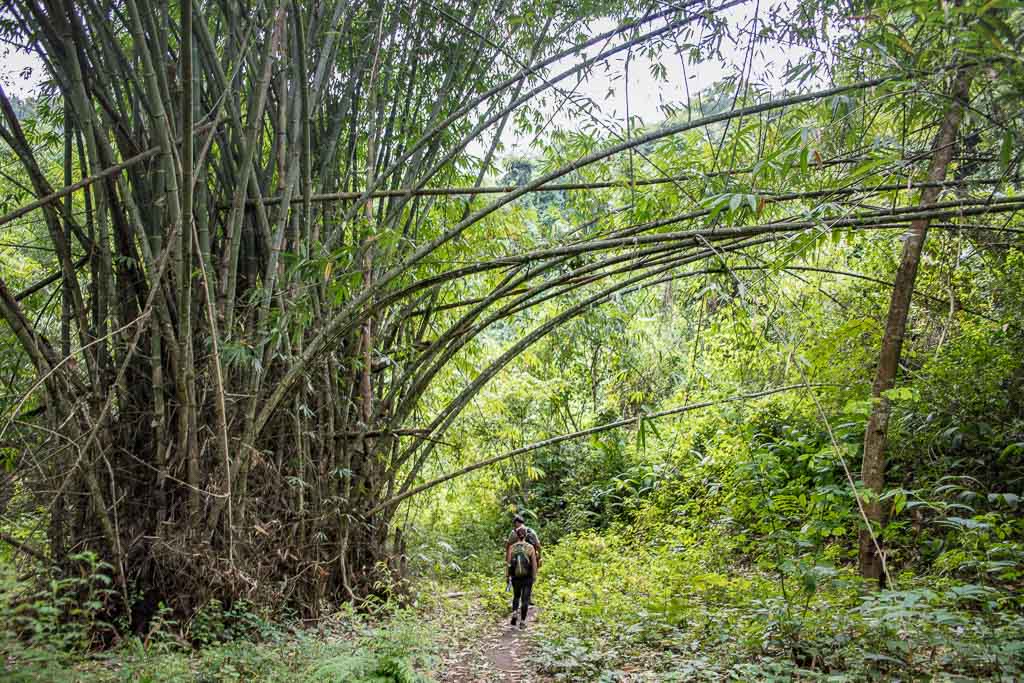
<point x="483" y="648"/>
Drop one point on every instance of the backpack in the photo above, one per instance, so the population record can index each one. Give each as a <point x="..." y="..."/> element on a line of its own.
<point x="521" y="566"/>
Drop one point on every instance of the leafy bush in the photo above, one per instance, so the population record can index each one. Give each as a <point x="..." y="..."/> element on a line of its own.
<point x="48" y="632"/>
<point x="611" y="603"/>
<point x="213" y="623"/>
<point x="46" y="622"/>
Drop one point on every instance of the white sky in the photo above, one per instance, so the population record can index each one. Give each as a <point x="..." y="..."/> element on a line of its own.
<point x="646" y="94"/>
<point x="21" y="73"/>
<point x="12" y="64"/>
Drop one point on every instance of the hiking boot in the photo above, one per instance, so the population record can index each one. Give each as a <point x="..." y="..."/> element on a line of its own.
<point x="522" y="624"/>
<point x="514" y="618"/>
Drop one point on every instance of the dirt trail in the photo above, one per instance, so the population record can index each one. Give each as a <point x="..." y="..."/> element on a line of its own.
<point x="486" y="649"/>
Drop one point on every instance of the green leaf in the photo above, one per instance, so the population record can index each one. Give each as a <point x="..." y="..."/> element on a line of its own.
<point x="868" y="167"/>
<point x="900" y="394"/>
<point x="1012" y="450"/>
<point x="1006" y="151"/>
<point x="992" y="4"/>
<point x="990" y="33"/>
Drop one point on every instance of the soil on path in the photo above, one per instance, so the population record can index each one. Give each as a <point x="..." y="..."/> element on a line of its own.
<point x="482" y="648"/>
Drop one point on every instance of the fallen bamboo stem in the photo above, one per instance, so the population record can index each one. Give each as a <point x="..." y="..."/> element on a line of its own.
<point x="626" y="184"/>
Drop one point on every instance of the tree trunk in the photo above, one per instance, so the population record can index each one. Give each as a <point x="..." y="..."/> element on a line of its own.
<point x="871" y="557"/>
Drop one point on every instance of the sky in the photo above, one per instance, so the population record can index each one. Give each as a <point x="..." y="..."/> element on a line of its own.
<point x="606" y="86"/>
<point x="21" y="73"/>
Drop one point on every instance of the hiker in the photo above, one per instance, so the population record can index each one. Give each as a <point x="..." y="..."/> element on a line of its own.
<point x="531" y="538"/>
<point x="522" y="570"/>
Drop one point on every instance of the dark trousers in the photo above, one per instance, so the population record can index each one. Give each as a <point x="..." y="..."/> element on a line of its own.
<point x="521" y="589"/>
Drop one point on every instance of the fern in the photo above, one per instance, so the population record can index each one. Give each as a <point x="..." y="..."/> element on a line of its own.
<point x="367" y="668"/>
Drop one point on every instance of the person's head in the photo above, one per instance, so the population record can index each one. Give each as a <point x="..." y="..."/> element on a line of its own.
<point x="521" y="533"/>
<point x="519" y="522"/>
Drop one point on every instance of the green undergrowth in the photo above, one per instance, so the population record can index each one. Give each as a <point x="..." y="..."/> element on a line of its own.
<point x="675" y="611"/>
<point x="613" y="606"/>
<point x="387" y="644"/>
<point x="55" y="631"/>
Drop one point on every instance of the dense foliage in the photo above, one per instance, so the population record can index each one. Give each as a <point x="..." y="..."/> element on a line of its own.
<point x="754" y="371"/>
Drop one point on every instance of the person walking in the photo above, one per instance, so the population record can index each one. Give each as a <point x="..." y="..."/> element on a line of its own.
<point x="531" y="538"/>
<point x="521" y="570"/>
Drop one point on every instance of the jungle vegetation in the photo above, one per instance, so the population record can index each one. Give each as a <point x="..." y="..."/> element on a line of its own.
<point x="290" y="332"/>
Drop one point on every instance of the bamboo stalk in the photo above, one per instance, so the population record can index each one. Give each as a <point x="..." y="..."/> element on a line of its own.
<point x="555" y="440"/>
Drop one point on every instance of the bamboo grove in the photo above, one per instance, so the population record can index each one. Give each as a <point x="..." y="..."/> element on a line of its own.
<point x="272" y="238"/>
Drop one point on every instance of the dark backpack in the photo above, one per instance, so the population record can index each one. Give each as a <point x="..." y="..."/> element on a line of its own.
<point x="520" y="566"/>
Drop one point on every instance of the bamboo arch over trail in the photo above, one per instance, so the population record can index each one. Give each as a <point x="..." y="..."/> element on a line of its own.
<point x="607" y="426"/>
<point x="259" y="309"/>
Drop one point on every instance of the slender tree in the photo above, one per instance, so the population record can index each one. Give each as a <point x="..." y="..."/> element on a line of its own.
<point x="871" y="555"/>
